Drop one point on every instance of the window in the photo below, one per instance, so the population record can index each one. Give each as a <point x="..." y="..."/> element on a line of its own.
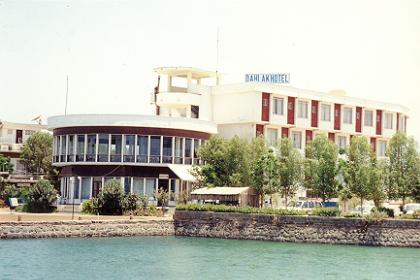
<point x="91" y="147"/>
<point x="167" y="149"/>
<point x="347" y="115"/>
<point x="178" y="150"/>
<point x="278" y="105"/>
<point x="196" y="148"/>
<point x="63" y="148"/>
<point x="103" y="147"/>
<point x="155" y="149"/>
<point x="272" y="136"/>
<point x="85" y="188"/>
<point x="70" y="149"/>
<point x="10" y="131"/>
<point x="57" y="148"/>
<point x="29" y="132"/>
<point x="129" y="148"/>
<point x="188" y="151"/>
<point x="116" y="147"/>
<point x="142" y="148"/>
<point x="302" y="109"/>
<point x="381" y="148"/>
<point x="76" y="188"/>
<point x="297" y="139"/>
<point x="150" y="188"/>
<point x="388" y="120"/>
<point x="368" y="118"/>
<point x="341" y="142"/>
<point x="138" y="186"/>
<point x="325" y="112"/>
<point x="195" y="112"/>
<point x="127" y="185"/>
<point x="401" y="123"/>
<point x="80" y="148"/>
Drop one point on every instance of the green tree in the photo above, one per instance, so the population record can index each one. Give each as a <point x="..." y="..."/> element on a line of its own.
<point x="5" y="165"/>
<point x="40" y="196"/>
<point x="162" y="197"/>
<point x="110" y="198"/>
<point x="322" y="167"/>
<point x="225" y="162"/>
<point x="264" y="175"/>
<point x="359" y="171"/>
<point x="376" y="182"/>
<point x="291" y="169"/>
<point x="37" y="153"/>
<point x="403" y="167"/>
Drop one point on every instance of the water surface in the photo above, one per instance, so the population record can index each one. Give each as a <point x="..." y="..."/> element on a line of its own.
<point x="200" y="258"/>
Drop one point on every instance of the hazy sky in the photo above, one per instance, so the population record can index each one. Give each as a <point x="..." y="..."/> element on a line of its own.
<point x="371" y="49"/>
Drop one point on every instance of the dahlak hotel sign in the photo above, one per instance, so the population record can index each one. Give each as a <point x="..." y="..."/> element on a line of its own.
<point x="274" y="78"/>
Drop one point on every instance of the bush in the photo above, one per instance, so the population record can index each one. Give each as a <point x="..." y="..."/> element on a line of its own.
<point x="375" y="215"/>
<point x="9" y="191"/>
<point x="244" y="210"/>
<point x="40" y="196"/>
<point x="352" y="215"/>
<point x="326" y="212"/>
<point x="110" y="199"/>
<point x="131" y="202"/>
<point x="388" y="211"/>
<point x="2" y="204"/>
<point x="89" y="208"/>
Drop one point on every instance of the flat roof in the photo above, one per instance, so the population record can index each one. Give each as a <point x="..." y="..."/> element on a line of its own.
<point x="182" y="72"/>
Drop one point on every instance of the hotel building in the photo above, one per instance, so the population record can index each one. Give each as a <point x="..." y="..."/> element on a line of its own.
<point x="146" y="152"/>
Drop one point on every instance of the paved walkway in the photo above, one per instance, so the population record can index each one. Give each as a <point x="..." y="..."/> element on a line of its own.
<point x="7" y="215"/>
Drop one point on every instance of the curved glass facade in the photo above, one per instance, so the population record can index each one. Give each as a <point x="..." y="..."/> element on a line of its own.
<point x="125" y="148"/>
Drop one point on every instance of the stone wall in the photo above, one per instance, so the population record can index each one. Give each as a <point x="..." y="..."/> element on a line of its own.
<point x="401" y="233"/>
<point x="12" y="230"/>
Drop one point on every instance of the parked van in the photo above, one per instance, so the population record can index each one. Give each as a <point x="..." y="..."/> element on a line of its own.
<point x="410" y="208"/>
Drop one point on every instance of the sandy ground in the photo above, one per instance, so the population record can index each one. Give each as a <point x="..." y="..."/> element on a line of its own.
<point x="7" y="215"/>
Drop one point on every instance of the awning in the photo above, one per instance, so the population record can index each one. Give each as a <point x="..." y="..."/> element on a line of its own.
<point x="182" y="171"/>
<point x="220" y="191"/>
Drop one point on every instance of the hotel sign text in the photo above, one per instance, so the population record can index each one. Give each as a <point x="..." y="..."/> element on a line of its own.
<point x="275" y="78"/>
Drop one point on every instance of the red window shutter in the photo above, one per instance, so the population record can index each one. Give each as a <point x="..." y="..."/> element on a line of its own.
<point x="259" y="129"/>
<point x="265" y="107"/>
<point x="291" y="110"/>
<point x="284" y="132"/>
<point x="309" y="136"/>
<point x="337" y="116"/>
<point x="331" y="136"/>
<point x="378" y="122"/>
<point x="373" y="143"/>
<point x="358" y="119"/>
<point x="314" y="115"/>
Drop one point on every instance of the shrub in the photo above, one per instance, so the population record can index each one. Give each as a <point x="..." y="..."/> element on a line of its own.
<point x="110" y="199"/>
<point x="352" y="215"/>
<point x="388" y="211"/>
<point x="406" y="216"/>
<point x="326" y="212"/>
<point x="2" y="204"/>
<point x="244" y="210"/>
<point x="376" y="215"/>
<point x="131" y="202"/>
<point x="88" y="207"/>
<point x="9" y="191"/>
<point x="40" y="196"/>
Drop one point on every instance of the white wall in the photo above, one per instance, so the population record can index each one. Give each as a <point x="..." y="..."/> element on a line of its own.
<point x="245" y="130"/>
<point x="240" y="107"/>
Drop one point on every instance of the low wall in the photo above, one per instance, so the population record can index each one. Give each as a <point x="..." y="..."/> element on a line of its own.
<point x="400" y="233"/>
<point x="12" y="230"/>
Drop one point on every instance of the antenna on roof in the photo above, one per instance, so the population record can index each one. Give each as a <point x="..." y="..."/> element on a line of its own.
<point x="37" y="119"/>
<point x="67" y="93"/>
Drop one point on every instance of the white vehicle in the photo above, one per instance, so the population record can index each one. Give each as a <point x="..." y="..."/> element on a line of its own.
<point x="367" y="209"/>
<point x="410" y="208"/>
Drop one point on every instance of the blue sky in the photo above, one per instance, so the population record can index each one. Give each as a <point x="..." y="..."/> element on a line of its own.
<point x="371" y="49"/>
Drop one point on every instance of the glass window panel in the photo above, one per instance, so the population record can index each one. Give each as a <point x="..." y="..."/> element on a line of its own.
<point x="138" y="185"/>
<point x="272" y="136"/>
<point x="172" y="190"/>
<point x="297" y="139"/>
<point x="325" y="112"/>
<point x="188" y="151"/>
<point x="388" y="121"/>
<point x="278" y="106"/>
<point x="91" y="147"/>
<point x="368" y="118"/>
<point x="196" y="148"/>
<point x="155" y="149"/>
<point x="63" y="148"/>
<point x="70" y="148"/>
<point x="80" y="148"/>
<point x="103" y="147"/>
<point x="303" y="109"/>
<point x="85" y="188"/>
<point x="178" y="150"/>
<point x="348" y="115"/>
<point x="150" y="187"/>
<point x="129" y="148"/>
<point x="76" y="188"/>
<point x="127" y="184"/>
<point x="116" y="147"/>
<point x="142" y="148"/>
<point x="167" y="149"/>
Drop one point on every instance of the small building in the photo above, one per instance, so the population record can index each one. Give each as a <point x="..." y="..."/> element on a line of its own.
<point x="238" y="196"/>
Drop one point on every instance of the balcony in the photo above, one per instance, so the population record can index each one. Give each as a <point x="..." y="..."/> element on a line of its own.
<point x="177" y="99"/>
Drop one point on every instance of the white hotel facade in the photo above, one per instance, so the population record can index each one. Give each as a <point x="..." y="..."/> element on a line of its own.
<point x="146" y="152"/>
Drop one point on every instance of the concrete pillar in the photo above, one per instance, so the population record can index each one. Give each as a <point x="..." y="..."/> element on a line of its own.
<point x="169" y="83"/>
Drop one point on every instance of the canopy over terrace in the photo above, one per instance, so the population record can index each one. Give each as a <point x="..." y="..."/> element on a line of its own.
<point x="241" y="196"/>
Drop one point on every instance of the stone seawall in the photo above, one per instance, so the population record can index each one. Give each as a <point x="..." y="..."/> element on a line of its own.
<point x="398" y="233"/>
<point x="14" y="230"/>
